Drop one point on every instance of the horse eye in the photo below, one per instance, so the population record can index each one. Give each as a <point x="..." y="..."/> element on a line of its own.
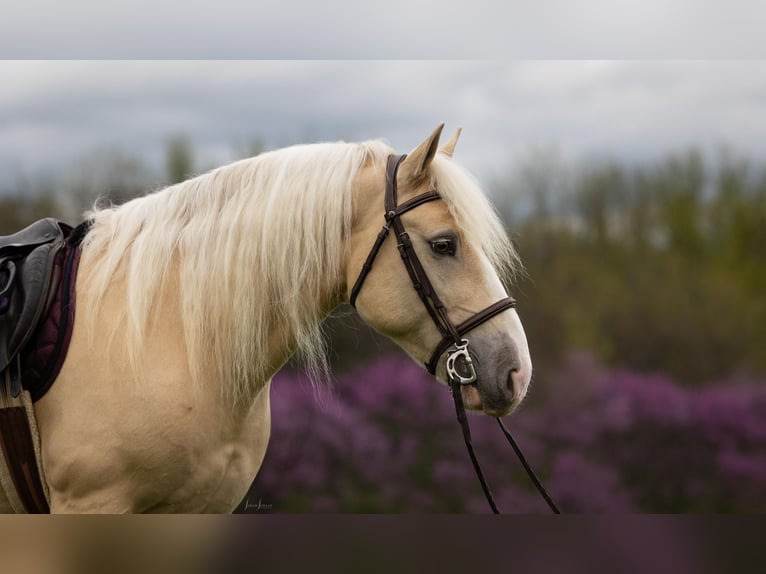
<point x="443" y="246"/>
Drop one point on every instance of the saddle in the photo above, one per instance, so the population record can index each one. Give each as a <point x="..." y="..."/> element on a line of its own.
<point x="37" y="268"/>
<point x="27" y="273"/>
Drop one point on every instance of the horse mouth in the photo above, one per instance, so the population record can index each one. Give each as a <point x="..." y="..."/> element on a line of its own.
<point x="497" y="412"/>
<point x="490" y="405"/>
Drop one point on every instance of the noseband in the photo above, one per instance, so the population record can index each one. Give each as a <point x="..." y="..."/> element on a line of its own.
<point x="453" y="336"/>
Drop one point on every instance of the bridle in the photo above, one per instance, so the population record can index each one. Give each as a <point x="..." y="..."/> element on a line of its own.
<point x="453" y="336"/>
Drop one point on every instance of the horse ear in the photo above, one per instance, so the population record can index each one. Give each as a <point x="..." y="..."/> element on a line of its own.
<point x="449" y="148"/>
<point x="415" y="166"/>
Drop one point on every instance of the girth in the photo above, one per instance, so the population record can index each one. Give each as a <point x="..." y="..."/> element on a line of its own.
<point x="451" y="334"/>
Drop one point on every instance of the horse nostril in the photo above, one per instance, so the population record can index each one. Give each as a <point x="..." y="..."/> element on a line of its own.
<point x="515" y="382"/>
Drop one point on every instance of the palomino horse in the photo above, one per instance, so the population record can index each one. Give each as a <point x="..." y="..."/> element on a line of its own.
<point x="189" y="299"/>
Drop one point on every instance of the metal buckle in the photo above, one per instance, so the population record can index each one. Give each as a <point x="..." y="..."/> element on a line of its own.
<point x="452" y="373"/>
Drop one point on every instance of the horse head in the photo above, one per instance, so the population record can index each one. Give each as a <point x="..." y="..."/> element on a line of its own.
<point x="436" y="267"/>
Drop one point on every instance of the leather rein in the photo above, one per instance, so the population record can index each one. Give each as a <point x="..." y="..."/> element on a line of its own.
<point x="460" y="369"/>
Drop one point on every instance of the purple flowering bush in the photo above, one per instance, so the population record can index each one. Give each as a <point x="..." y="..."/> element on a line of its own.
<point x="384" y="438"/>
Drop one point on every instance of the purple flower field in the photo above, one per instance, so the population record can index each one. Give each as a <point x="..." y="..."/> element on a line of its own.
<point x="384" y="439"/>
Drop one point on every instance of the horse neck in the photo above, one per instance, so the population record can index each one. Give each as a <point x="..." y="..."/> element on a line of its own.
<point x="288" y="314"/>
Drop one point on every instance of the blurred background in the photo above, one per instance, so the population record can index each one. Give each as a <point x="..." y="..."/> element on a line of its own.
<point x="635" y="193"/>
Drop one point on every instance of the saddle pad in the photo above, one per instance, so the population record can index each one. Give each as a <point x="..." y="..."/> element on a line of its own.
<point x="44" y="354"/>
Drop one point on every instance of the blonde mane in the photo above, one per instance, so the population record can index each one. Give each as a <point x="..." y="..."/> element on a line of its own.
<point x="253" y="244"/>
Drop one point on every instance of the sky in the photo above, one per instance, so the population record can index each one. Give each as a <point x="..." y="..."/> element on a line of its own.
<point x="53" y="114"/>
<point x="629" y="80"/>
<point x="383" y="29"/>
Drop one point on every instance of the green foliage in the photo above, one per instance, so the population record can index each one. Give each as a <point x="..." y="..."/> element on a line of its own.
<point x="17" y="211"/>
<point x="662" y="268"/>
<point x="179" y="159"/>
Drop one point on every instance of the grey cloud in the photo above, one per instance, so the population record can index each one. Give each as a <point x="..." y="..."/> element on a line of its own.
<point x="56" y="112"/>
<point x="390" y="29"/>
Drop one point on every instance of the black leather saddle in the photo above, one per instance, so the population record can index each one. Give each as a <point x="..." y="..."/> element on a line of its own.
<point x="27" y="272"/>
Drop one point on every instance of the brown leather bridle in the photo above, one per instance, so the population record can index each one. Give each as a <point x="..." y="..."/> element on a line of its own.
<point x="452" y="335"/>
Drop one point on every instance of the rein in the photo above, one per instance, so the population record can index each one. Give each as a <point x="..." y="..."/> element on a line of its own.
<point x="460" y="369"/>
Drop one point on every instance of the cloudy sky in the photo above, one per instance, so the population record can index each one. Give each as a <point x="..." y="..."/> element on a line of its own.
<point x="382" y="29"/>
<point x="627" y="79"/>
<point x="55" y="113"/>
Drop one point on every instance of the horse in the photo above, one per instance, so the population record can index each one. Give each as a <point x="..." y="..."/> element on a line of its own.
<point x="189" y="299"/>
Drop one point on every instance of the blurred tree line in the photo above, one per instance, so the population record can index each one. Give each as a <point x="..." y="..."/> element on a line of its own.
<point x="659" y="267"/>
<point x="656" y="267"/>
